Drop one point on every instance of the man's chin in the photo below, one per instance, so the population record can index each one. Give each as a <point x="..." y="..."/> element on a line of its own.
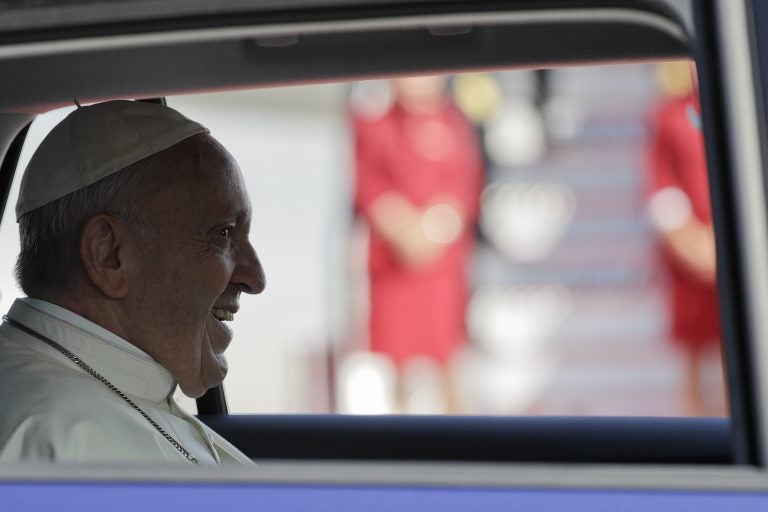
<point x="204" y="383"/>
<point x="213" y="365"/>
<point x="193" y="391"/>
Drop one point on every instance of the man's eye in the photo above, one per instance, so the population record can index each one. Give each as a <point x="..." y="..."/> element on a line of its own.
<point x="226" y="232"/>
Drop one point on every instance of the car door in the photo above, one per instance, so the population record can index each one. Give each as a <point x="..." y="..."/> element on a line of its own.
<point x="479" y="461"/>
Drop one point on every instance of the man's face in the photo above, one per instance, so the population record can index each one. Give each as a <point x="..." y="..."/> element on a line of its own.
<point x="192" y="266"/>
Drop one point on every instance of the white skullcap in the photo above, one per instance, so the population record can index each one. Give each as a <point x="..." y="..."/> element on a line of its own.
<point x="96" y="141"/>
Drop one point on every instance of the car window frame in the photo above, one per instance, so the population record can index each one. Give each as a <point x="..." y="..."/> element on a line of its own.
<point x="725" y="158"/>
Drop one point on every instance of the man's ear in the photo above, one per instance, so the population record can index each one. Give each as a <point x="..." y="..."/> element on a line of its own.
<point x="102" y="253"/>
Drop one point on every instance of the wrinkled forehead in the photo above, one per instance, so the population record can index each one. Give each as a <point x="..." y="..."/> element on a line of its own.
<point x="198" y="158"/>
<point x="218" y="165"/>
<point x="202" y="176"/>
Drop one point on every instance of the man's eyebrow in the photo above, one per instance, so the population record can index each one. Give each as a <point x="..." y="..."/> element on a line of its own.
<point x="238" y="215"/>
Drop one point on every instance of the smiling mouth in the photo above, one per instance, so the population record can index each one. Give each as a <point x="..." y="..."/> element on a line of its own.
<point x="223" y="315"/>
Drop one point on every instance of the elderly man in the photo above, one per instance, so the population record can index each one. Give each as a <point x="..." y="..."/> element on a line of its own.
<point x="134" y="251"/>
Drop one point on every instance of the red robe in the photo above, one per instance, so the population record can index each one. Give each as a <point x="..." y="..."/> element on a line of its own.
<point x="677" y="159"/>
<point x="418" y="311"/>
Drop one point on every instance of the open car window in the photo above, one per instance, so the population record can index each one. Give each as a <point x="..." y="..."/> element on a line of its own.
<point x="567" y="299"/>
<point x="571" y="302"/>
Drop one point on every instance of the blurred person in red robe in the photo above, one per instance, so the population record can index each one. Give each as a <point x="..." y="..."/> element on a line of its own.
<point x="681" y="211"/>
<point x="418" y="179"/>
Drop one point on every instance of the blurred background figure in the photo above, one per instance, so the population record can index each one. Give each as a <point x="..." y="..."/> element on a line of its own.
<point x="418" y="170"/>
<point x="681" y="213"/>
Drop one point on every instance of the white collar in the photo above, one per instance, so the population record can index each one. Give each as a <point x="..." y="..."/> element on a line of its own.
<point x="83" y="323"/>
<point x="126" y="366"/>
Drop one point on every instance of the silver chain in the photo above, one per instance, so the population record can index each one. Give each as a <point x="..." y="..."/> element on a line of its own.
<point x="82" y="365"/>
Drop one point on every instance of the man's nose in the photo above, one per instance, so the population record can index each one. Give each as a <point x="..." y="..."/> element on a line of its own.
<point x="249" y="274"/>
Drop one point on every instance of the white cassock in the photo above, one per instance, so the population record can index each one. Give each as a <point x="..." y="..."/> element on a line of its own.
<point x="51" y="410"/>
